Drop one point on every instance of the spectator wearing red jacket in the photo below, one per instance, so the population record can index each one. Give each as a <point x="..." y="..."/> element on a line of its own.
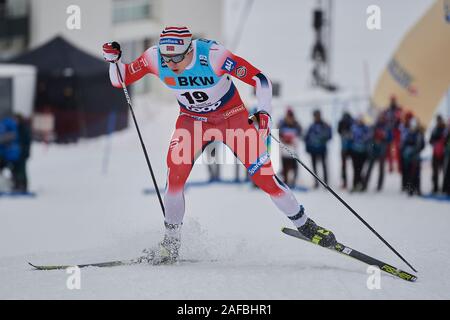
<point x="438" y="140"/>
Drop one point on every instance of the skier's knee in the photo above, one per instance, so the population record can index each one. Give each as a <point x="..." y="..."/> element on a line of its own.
<point x="271" y="185"/>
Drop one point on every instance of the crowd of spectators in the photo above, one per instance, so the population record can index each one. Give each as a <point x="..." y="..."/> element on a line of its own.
<point x="394" y="140"/>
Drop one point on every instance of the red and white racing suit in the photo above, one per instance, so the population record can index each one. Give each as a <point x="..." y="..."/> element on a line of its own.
<point x="212" y="110"/>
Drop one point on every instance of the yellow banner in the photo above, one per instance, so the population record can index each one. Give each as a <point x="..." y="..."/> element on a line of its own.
<point x="419" y="72"/>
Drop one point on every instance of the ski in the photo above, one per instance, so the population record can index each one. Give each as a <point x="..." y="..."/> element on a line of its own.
<point x="347" y="251"/>
<point x="106" y="264"/>
<point x="99" y="264"/>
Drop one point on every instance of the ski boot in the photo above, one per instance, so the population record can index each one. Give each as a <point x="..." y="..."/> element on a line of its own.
<point x="317" y="234"/>
<point x="167" y="250"/>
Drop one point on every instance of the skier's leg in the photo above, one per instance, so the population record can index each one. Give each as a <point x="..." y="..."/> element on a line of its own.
<point x="259" y="166"/>
<point x="245" y="142"/>
<point x="183" y="150"/>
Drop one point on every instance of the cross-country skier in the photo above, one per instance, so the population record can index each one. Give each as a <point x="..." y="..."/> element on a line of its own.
<point x="198" y="72"/>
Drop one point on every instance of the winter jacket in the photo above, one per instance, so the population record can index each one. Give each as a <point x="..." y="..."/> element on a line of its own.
<point x="437" y="140"/>
<point x="345" y="131"/>
<point x="360" y="138"/>
<point x="289" y="135"/>
<point x="412" y="145"/>
<point x="380" y="138"/>
<point x="9" y="140"/>
<point x="319" y="133"/>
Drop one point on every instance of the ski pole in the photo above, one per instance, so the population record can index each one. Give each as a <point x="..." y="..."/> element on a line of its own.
<point x="294" y="156"/>
<point x="127" y="96"/>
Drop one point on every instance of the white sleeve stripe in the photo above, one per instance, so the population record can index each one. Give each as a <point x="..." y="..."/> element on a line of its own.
<point x="263" y="94"/>
<point x="113" y="76"/>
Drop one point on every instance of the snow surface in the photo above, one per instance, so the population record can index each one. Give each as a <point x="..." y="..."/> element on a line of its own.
<point x="84" y="213"/>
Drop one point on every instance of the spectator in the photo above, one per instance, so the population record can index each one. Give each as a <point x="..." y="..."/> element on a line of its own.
<point x="393" y="115"/>
<point x="19" y="167"/>
<point x="446" y="185"/>
<point x="316" y="139"/>
<point x="437" y="140"/>
<point x="344" y="129"/>
<point x="9" y="143"/>
<point x="411" y="147"/>
<point x="360" y="138"/>
<point x="404" y="129"/>
<point x="380" y="138"/>
<point x="290" y="134"/>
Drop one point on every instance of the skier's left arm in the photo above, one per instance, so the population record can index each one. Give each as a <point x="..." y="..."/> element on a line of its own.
<point x="224" y="61"/>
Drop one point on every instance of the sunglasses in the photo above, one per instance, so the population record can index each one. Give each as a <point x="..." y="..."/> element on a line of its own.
<point x="176" y="58"/>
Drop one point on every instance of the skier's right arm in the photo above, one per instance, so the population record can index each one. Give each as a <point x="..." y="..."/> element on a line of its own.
<point x="131" y="72"/>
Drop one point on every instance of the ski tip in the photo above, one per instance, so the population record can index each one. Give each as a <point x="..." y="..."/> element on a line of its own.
<point x="287" y="230"/>
<point x="408" y="277"/>
<point x="36" y="267"/>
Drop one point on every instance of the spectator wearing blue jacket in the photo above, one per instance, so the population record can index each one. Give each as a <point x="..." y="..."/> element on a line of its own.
<point x="9" y="141"/>
<point x="360" y="139"/>
<point x="316" y="139"/>
<point x="15" y="140"/>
